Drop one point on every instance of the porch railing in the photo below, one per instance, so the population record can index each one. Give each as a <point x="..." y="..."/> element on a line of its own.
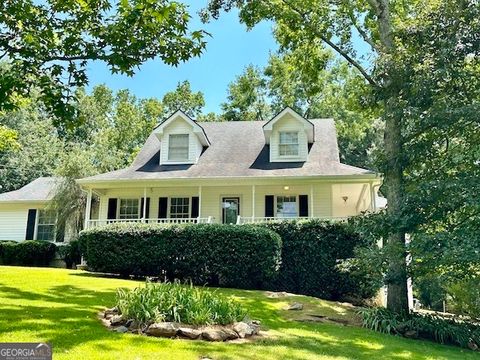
<point x="273" y="219"/>
<point x="197" y="220"/>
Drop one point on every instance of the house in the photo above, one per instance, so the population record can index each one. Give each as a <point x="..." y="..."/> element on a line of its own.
<point x="24" y="214"/>
<point x="233" y="172"/>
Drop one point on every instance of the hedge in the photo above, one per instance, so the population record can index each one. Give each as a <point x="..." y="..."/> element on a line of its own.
<point x="214" y="254"/>
<point x="310" y="254"/>
<point x="27" y="253"/>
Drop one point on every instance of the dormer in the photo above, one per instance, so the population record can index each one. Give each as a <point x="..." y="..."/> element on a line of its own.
<point x="289" y="136"/>
<point x="182" y="140"/>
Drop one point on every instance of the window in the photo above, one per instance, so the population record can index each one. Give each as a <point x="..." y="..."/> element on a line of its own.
<point x="179" y="208"/>
<point x="46" y="225"/>
<point x="178" y="147"/>
<point x="287" y="206"/>
<point x="129" y="209"/>
<point x="288" y="144"/>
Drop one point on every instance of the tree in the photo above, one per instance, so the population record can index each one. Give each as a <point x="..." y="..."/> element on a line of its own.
<point x="183" y="98"/>
<point x="48" y="45"/>
<point x="247" y="97"/>
<point x="384" y="27"/>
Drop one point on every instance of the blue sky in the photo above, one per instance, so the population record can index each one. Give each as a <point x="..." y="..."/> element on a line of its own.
<point x="228" y="51"/>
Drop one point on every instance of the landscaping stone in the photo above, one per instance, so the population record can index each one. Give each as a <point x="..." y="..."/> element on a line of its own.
<point x="189" y="333"/>
<point x="411" y="334"/>
<point x="231" y="334"/>
<point x="243" y="329"/>
<point x="472" y="345"/>
<point x="121" y="329"/>
<point x="294" y="306"/>
<point x="214" y="334"/>
<point x="116" y="320"/>
<point x="165" y="329"/>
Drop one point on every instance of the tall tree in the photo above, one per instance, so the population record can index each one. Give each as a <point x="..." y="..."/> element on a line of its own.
<point x="183" y="98"/>
<point x="47" y="44"/>
<point x="380" y="24"/>
<point x="247" y="97"/>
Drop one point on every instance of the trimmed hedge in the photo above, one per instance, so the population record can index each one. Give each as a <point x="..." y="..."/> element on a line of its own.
<point x="27" y="253"/>
<point x="214" y="254"/>
<point x="311" y="251"/>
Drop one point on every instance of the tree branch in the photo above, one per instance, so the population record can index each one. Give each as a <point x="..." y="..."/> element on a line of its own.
<point x="363" y="33"/>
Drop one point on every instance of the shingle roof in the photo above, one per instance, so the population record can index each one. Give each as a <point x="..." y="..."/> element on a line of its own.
<point x="40" y="189"/>
<point x="238" y="150"/>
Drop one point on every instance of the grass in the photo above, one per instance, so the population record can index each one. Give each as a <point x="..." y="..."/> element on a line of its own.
<point x="60" y="307"/>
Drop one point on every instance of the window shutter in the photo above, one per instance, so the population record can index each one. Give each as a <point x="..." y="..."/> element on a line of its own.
<point x="162" y="207"/>
<point x="303" y="205"/>
<point x="147" y="210"/>
<point x="112" y="209"/>
<point x="31" y="218"/>
<point x="269" y="200"/>
<point x="195" y="206"/>
<point x="60" y="232"/>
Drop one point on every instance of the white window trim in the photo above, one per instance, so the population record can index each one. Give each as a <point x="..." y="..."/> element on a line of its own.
<point x="296" y="203"/>
<point x="128" y="198"/>
<point x="35" y="233"/>
<point x="178" y="161"/>
<point x="169" y="215"/>
<point x="280" y="144"/>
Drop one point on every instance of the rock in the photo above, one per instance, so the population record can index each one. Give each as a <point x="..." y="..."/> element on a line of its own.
<point x="189" y="333"/>
<point x="121" y="329"/>
<point x="214" y="334"/>
<point x="243" y="329"/>
<point x="231" y="334"/>
<point x="255" y="328"/>
<point x="276" y="295"/>
<point x="294" y="306"/>
<point x="256" y="322"/>
<point x="411" y="334"/>
<point x="112" y="311"/>
<point x="116" y="320"/>
<point x="165" y="329"/>
<point x="132" y="324"/>
<point x="472" y="345"/>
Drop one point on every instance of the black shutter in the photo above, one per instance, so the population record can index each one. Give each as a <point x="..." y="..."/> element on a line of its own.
<point x="195" y="206"/>
<point x="269" y="200"/>
<point x="162" y="207"/>
<point x="112" y="209"/>
<point x="147" y="210"/>
<point x="60" y="232"/>
<point x="303" y="205"/>
<point x="32" y="216"/>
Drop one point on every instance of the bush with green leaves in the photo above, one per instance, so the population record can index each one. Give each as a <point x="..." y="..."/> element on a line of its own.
<point x="214" y="254"/>
<point x="70" y="253"/>
<point x="311" y="254"/>
<point x="157" y="302"/>
<point x="27" y="253"/>
<point x="425" y="326"/>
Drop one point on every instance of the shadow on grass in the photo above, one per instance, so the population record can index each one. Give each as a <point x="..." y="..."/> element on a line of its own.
<point x="71" y="320"/>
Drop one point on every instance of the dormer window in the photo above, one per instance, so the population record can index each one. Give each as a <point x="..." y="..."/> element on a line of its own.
<point x="178" y="147"/>
<point x="288" y="144"/>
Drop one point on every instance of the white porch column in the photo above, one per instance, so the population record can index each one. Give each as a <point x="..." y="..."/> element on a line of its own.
<point x="88" y="209"/>
<point x="144" y="204"/>
<point x="200" y="201"/>
<point x="373" y="205"/>
<point x="311" y="201"/>
<point x="253" y="203"/>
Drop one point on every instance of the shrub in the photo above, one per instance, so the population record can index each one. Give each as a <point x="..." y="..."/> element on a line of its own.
<point x="224" y="255"/>
<point x="70" y="253"/>
<point x="425" y="326"/>
<point x="311" y="252"/>
<point x="156" y="302"/>
<point x="465" y="297"/>
<point x="27" y="253"/>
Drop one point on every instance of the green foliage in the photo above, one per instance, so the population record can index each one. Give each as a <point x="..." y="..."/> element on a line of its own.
<point x="426" y="326"/>
<point x="311" y="253"/>
<point x="156" y="302"/>
<point x="183" y="98"/>
<point x="27" y="253"/>
<point x="49" y="44"/>
<point x="465" y="297"/>
<point x="247" y="97"/>
<point x="70" y="253"/>
<point x="8" y="139"/>
<point x="215" y="254"/>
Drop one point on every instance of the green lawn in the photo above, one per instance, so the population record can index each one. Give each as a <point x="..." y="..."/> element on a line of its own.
<point x="61" y="306"/>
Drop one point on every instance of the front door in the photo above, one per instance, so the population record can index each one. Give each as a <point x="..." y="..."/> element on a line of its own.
<point x="230" y="210"/>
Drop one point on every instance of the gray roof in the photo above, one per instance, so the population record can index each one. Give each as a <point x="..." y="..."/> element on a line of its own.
<point x="238" y="149"/>
<point x="41" y="189"/>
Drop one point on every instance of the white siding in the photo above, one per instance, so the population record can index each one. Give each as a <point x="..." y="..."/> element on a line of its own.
<point x="13" y="220"/>
<point x="288" y="123"/>
<point x="180" y="126"/>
